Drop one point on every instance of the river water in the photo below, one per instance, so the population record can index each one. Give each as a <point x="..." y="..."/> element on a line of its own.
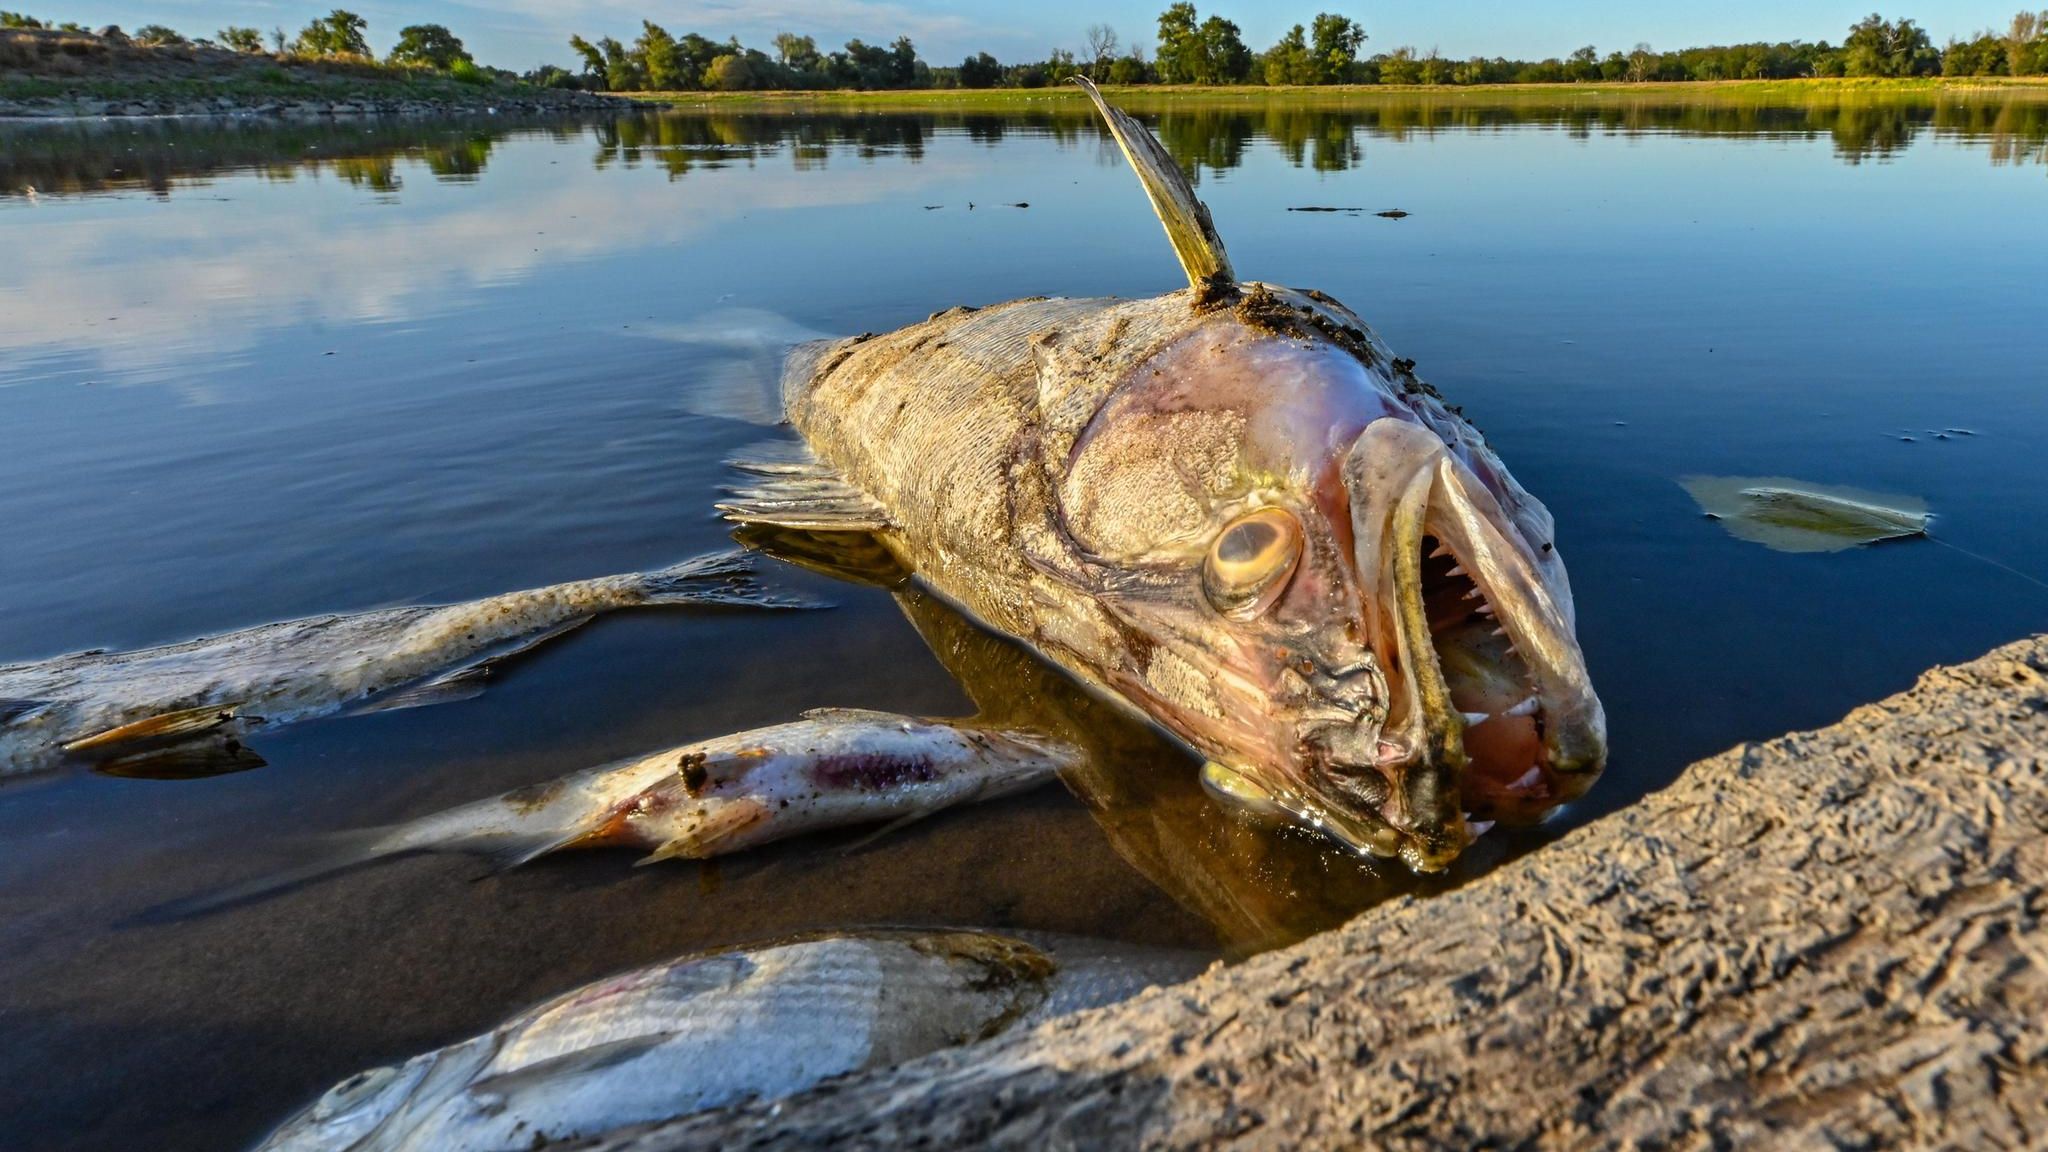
<point x="252" y="371"/>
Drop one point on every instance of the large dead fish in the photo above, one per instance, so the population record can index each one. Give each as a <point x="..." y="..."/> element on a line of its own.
<point x="1233" y="510"/>
<point x="709" y="1030"/>
<point x="188" y="708"/>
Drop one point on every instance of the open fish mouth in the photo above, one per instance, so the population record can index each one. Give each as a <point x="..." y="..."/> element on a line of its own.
<point x="1490" y="715"/>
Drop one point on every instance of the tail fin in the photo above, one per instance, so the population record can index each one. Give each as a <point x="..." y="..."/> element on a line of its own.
<point x="728" y="578"/>
<point x="340" y="852"/>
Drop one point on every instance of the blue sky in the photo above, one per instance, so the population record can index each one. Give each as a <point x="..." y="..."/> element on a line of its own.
<point x="521" y="33"/>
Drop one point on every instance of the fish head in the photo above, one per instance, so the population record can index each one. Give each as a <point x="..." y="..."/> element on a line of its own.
<point x="1319" y="577"/>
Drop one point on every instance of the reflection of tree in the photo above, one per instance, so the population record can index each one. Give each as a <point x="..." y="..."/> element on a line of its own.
<point x="87" y="156"/>
<point x="1323" y="132"/>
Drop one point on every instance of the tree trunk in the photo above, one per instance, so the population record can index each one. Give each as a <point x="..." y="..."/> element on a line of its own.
<point x="1832" y="939"/>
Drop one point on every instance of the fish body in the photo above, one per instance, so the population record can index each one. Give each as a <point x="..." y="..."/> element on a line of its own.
<point x="160" y="709"/>
<point x="710" y="1030"/>
<point x="1234" y="511"/>
<point x="833" y="768"/>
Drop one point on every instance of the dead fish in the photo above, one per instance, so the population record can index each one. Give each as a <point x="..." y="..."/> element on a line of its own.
<point x="715" y="1029"/>
<point x="186" y="709"/>
<point x="1232" y="510"/>
<point x="834" y="768"/>
<point x="1788" y="515"/>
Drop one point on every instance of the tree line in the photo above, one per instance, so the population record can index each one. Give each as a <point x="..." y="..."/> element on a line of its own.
<point x="1191" y="49"/>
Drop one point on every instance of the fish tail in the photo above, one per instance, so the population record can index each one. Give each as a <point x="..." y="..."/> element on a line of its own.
<point x="725" y="578"/>
<point x="336" y="853"/>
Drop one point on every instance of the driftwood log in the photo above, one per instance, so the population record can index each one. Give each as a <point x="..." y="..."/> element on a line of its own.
<point x="1831" y="939"/>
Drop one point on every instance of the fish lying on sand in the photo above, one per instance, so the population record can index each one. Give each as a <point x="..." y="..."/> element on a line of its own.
<point x="1232" y="510"/>
<point x="834" y="768"/>
<point x="187" y="709"/>
<point x="716" y="1029"/>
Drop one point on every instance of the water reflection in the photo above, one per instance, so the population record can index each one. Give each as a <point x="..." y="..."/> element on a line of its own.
<point x="1326" y="134"/>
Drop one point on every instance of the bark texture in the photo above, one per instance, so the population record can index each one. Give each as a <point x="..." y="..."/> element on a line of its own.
<point x="1831" y="939"/>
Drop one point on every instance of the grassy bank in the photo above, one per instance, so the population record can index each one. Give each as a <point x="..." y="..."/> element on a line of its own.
<point x="1714" y="91"/>
<point x="46" y="72"/>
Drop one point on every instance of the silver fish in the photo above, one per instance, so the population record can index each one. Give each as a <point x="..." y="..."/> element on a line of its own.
<point x="714" y="1029"/>
<point x="187" y="709"/>
<point x="834" y="768"/>
<point x="1231" y="510"/>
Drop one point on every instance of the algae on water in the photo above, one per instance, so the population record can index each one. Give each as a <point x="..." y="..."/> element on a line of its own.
<point x="1788" y="515"/>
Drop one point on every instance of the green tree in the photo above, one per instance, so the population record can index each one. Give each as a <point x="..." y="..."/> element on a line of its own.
<point x="593" y="59"/>
<point x="1225" y="59"/>
<point x="1881" y="47"/>
<point x="1180" y="45"/>
<point x="729" y="73"/>
<point x="980" y="70"/>
<point x="1335" y="41"/>
<point x="1289" y="61"/>
<point x="1127" y="70"/>
<point x="429" y="45"/>
<point x="1400" y="67"/>
<point x="1583" y="66"/>
<point x="797" y="53"/>
<point x="661" y="60"/>
<point x="622" y="70"/>
<point x="2023" y="39"/>
<point x="240" y="39"/>
<point x="19" y="20"/>
<point x="1434" y="69"/>
<point x="157" y="36"/>
<point x="1642" y="63"/>
<point x="339" y="33"/>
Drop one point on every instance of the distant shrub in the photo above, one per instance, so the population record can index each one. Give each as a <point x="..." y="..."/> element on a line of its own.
<point x="19" y="20"/>
<point x="157" y="36"/>
<point x="466" y="71"/>
<point x="241" y="39"/>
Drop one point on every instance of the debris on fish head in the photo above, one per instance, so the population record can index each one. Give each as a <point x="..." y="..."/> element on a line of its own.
<point x="1317" y="575"/>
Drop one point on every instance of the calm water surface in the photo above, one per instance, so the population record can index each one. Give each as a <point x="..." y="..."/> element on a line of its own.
<point x="250" y="372"/>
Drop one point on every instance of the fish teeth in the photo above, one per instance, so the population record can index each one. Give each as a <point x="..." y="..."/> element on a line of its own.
<point x="1483" y="610"/>
<point x="1475" y="719"/>
<point x="1474" y="594"/>
<point x="1499" y="631"/>
<point x="1525" y="708"/>
<point x="1441" y="550"/>
<point x="1456" y="571"/>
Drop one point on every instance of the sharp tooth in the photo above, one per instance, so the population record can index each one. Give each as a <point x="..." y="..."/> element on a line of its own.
<point x="1474" y="594"/>
<point x="1456" y="571"/>
<point x="1475" y="719"/>
<point x="1483" y="610"/>
<point x="1441" y="550"/>
<point x="1525" y="708"/>
<point x="1500" y="631"/>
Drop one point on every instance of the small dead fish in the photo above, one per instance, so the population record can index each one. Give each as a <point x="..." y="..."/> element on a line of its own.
<point x="834" y="768"/>
<point x="1787" y="515"/>
<point x="676" y="1038"/>
<point x="185" y="709"/>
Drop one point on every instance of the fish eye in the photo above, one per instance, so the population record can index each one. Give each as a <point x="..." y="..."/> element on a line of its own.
<point x="1248" y="565"/>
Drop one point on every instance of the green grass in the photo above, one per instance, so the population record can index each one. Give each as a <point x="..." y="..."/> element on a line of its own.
<point x="1153" y="95"/>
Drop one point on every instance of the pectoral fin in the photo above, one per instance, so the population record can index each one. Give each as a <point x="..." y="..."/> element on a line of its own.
<point x="466" y="682"/>
<point x="164" y="725"/>
<point x="1186" y="219"/>
<point x="793" y="489"/>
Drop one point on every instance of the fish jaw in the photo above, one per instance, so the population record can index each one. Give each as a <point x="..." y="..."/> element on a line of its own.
<point x="1491" y="710"/>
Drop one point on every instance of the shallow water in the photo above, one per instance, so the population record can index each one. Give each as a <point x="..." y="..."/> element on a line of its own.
<point x="250" y="372"/>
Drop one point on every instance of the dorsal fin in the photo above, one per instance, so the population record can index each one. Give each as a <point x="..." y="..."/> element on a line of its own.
<point x="1186" y="218"/>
